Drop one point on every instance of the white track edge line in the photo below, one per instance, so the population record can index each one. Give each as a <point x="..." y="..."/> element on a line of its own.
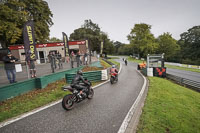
<point x="129" y="115"/>
<point x="2" y="124"/>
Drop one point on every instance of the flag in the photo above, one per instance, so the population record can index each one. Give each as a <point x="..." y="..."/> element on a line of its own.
<point x="101" y="48"/>
<point x="87" y="47"/>
<point x="29" y="41"/>
<point x="66" y="46"/>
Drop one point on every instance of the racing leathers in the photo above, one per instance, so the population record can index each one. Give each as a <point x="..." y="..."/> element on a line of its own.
<point x="114" y="71"/>
<point x="76" y="83"/>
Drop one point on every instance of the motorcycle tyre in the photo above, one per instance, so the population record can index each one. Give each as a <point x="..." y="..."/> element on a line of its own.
<point x="111" y="80"/>
<point x="65" y="100"/>
<point x="91" y="94"/>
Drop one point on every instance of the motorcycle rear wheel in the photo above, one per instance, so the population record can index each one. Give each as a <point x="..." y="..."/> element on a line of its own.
<point x="91" y="94"/>
<point x="68" y="102"/>
<point x="111" y="80"/>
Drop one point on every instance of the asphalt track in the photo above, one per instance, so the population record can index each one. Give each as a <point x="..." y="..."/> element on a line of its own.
<point x="103" y="114"/>
<point x="184" y="74"/>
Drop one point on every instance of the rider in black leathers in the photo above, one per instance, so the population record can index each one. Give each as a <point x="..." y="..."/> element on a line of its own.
<point x="77" y="80"/>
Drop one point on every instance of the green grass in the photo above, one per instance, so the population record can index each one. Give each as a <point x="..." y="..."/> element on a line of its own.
<point x="114" y="57"/>
<point x="105" y="64"/>
<point x="170" y="108"/>
<point x="31" y="100"/>
<point x="134" y="60"/>
<point x="182" y="68"/>
<point x="115" y="62"/>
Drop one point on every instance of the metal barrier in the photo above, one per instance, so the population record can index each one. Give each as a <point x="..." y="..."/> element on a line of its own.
<point x="185" y="82"/>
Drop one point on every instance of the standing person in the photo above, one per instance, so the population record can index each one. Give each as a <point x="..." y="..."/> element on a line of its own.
<point x="9" y="65"/>
<point x="72" y="57"/>
<point x="78" y="58"/>
<point x="52" y="61"/>
<point x="59" y="58"/>
<point x="31" y="64"/>
<point x="85" y="58"/>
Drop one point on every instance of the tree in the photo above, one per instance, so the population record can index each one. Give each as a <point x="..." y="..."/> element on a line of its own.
<point x="190" y="45"/>
<point x="142" y="40"/>
<point x="167" y="45"/>
<point x="94" y="35"/>
<point x="39" y="12"/>
<point x="11" y="22"/>
<point x="117" y="45"/>
<point x="14" y="14"/>
<point x="54" y="39"/>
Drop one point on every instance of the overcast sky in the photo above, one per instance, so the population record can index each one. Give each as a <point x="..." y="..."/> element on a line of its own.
<point x="118" y="17"/>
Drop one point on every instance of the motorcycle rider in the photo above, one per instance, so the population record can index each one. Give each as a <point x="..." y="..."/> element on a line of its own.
<point x="76" y="83"/>
<point x="114" y="70"/>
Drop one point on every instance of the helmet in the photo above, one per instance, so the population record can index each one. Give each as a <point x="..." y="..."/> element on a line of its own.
<point x="113" y="66"/>
<point x="80" y="72"/>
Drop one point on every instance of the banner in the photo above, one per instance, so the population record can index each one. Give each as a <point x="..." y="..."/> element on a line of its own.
<point x="101" y="48"/>
<point x="29" y="41"/>
<point x="66" y="46"/>
<point x="87" y="47"/>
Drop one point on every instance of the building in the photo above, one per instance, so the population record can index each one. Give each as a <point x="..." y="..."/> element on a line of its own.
<point x="44" y="49"/>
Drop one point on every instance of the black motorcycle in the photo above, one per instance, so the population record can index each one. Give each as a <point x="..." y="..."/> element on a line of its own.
<point x="76" y="96"/>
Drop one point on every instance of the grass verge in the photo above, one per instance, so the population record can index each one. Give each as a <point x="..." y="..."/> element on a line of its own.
<point x="31" y="100"/>
<point x="170" y="108"/>
<point x="134" y="60"/>
<point x="105" y="64"/>
<point x="115" y="62"/>
<point x="183" y="68"/>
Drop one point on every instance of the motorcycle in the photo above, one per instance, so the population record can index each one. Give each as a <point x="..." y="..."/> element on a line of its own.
<point x="113" y="77"/>
<point x="76" y="96"/>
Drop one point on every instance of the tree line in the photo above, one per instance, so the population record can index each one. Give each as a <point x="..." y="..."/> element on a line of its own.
<point x="186" y="50"/>
<point x="14" y="14"/>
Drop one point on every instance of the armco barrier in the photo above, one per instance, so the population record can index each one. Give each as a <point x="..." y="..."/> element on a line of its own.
<point x="16" y="89"/>
<point x="185" y="82"/>
<point x="91" y="76"/>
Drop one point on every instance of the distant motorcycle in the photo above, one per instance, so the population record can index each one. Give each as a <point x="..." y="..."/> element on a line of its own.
<point x="76" y="96"/>
<point x="126" y="62"/>
<point x="113" y="78"/>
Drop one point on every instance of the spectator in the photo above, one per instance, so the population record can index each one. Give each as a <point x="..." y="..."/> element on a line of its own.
<point x="52" y="61"/>
<point x="85" y="58"/>
<point x="78" y="58"/>
<point x="72" y="57"/>
<point x="59" y="58"/>
<point x="9" y="64"/>
<point x="31" y="64"/>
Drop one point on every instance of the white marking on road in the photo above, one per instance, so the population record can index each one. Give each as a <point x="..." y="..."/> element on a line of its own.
<point x="27" y="114"/>
<point x="130" y="113"/>
<point x="2" y="124"/>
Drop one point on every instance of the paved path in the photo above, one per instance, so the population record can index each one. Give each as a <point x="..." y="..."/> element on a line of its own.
<point x="103" y="114"/>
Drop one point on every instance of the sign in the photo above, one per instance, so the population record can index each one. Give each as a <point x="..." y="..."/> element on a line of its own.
<point x="66" y="46"/>
<point x="29" y="41"/>
<point x="18" y="67"/>
<point x="77" y="42"/>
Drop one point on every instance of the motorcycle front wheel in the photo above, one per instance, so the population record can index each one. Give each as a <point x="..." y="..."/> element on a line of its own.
<point x="91" y="94"/>
<point x="68" y="102"/>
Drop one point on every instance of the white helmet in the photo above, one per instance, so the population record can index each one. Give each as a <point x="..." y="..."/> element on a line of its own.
<point x="113" y="66"/>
